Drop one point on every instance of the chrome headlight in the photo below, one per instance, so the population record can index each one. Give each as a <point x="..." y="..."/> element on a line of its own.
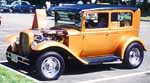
<point x="38" y="38"/>
<point x="34" y="43"/>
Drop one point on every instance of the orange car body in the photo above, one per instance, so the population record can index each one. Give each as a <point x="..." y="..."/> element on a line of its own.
<point x="87" y="42"/>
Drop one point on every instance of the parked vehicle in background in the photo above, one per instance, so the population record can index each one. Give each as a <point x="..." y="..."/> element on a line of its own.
<point x="68" y="2"/>
<point x="57" y="2"/>
<point x="18" y="6"/>
<point x="23" y="6"/>
<point x="3" y="7"/>
<point x="51" y="13"/>
<point x="72" y="1"/>
<point x="49" y="10"/>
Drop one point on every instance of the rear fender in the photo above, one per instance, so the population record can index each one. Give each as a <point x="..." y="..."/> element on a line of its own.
<point x="126" y="42"/>
<point x="48" y="44"/>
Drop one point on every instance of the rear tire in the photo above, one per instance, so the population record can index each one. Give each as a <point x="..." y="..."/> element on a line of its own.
<point x="50" y="65"/>
<point x="134" y="55"/>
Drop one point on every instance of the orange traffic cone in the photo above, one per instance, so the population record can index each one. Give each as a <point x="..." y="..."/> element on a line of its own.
<point x="39" y="20"/>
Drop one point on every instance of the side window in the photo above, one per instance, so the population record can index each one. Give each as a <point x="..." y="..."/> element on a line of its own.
<point x="121" y="19"/>
<point x="24" y="3"/>
<point x="96" y="20"/>
<point x="15" y="3"/>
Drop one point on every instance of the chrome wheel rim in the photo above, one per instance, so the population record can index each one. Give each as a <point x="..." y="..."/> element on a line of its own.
<point x="135" y="56"/>
<point x="50" y="67"/>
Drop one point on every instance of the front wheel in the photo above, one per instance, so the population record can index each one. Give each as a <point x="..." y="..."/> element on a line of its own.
<point x="50" y="65"/>
<point x="134" y="55"/>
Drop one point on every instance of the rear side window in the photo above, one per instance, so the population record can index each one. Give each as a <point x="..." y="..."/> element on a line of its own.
<point x="123" y="19"/>
<point x="24" y="3"/>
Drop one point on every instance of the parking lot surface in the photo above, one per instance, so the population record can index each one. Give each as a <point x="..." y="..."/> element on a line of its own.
<point x="107" y="73"/>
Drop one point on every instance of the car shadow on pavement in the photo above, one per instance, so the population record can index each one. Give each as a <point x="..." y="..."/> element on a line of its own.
<point x="72" y="70"/>
<point x="81" y="69"/>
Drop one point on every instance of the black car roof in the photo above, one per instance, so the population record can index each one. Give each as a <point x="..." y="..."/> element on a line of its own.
<point x="83" y="7"/>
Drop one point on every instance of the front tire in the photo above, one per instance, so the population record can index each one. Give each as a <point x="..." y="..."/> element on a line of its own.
<point x="50" y="65"/>
<point x="134" y="55"/>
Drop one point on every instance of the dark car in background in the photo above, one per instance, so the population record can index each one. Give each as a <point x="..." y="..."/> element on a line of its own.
<point x="3" y="7"/>
<point x="60" y="3"/>
<point x="18" y="6"/>
<point x="63" y="1"/>
<point x="71" y="1"/>
<point x="22" y="6"/>
<point x="67" y="2"/>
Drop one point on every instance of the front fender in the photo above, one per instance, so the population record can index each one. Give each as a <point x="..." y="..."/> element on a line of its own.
<point x="47" y="44"/>
<point x="11" y="38"/>
<point x="126" y="42"/>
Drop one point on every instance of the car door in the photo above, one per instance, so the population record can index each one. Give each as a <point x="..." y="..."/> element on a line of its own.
<point x="24" y="6"/>
<point x="121" y="26"/>
<point x="96" y="36"/>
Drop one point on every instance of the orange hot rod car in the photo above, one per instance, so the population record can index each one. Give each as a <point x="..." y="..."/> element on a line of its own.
<point x="90" y="34"/>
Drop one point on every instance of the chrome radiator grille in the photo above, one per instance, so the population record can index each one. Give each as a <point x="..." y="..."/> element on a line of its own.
<point x="24" y="44"/>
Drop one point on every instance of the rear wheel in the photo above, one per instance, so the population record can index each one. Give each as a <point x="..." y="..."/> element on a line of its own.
<point x="50" y="65"/>
<point x="134" y="55"/>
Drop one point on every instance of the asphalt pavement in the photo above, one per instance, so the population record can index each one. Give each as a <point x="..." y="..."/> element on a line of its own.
<point x="108" y="73"/>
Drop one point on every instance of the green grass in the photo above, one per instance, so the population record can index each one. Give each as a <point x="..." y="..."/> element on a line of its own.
<point x="7" y="76"/>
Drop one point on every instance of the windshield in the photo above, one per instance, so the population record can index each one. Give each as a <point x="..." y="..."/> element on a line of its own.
<point x="69" y="18"/>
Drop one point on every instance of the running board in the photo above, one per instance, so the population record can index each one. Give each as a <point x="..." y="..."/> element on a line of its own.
<point x="100" y="60"/>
